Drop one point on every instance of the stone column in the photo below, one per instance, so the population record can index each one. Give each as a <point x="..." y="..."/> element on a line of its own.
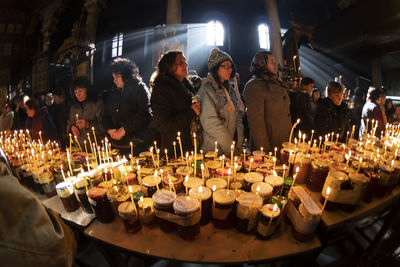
<point x="174" y="12"/>
<point x="274" y="30"/>
<point x="93" y="8"/>
<point x="376" y="71"/>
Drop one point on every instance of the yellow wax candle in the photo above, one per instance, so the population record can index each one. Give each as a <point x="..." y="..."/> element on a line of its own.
<point x="174" y="143"/>
<point x="291" y="131"/>
<point x="328" y="191"/>
<point x="180" y="143"/>
<point x="166" y="154"/>
<point x="131" y="144"/>
<point x="251" y="161"/>
<point x="95" y="139"/>
<point x="85" y="147"/>
<point x="186" y="182"/>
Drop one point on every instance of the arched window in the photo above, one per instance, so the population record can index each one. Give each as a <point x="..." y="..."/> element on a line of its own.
<point x="263" y="36"/>
<point x="117" y="45"/>
<point x="215" y="33"/>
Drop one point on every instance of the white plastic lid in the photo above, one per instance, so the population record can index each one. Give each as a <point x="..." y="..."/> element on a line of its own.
<point x="164" y="197"/>
<point x="224" y="196"/>
<point x="151" y="181"/>
<point x="205" y="194"/>
<point x="186" y="205"/>
<point x="219" y="183"/>
<point x="265" y="189"/>
<point x="250" y="199"/>
<point x="253" y="177"/>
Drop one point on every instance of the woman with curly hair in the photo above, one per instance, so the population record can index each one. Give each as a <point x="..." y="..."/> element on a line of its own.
<point x="127" y="116"/>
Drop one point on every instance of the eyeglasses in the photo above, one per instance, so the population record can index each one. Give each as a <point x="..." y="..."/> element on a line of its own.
<point x="226" y="66"/>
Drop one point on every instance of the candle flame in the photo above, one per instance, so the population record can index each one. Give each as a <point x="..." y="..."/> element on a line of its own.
<point x="200" y="189"/>
<point x="275" y="208"/>
<point x="258" y="189"/>
<point x="274" y="172"/>
<point x="130" y="189"/>
<point x="214" y="187"/>
<point x="202" y="167"/>
<point x="328" y="191"/>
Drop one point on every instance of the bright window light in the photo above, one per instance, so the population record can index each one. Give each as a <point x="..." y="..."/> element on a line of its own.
<point x="263" y="36"/>
<point x="215" y="33"/>
<point x="117" y="45"/>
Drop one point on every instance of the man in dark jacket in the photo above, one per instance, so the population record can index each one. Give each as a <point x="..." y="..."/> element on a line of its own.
<point x="302" y="107"/>
<point x="332" y="115"/>
<point x="59" y="112"/>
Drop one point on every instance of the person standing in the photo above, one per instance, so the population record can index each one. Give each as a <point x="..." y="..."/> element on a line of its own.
<point x="372" y="111"/>
<point x="6" y="117"/>
<point x="86" y="112"/>
<point x="302" y="107"/>
<point x="171" y="102"/>
<point x="268" y="104"/>
<point x="127" y="116"/>
<point x="59" y="112"/>
<point x="332" y="114"/>
<point x="221" y="117"/>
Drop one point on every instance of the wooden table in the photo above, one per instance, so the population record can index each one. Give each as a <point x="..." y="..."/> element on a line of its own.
<point x="335" y="219"/>
<point x="212" y="246"/>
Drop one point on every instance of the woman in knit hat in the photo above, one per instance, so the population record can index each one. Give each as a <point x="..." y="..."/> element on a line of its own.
<point x="268" y="104"/>
<point x="220" y="117"/>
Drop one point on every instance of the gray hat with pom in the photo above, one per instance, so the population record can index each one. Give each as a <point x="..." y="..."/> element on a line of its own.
<point x="216" y="57"/>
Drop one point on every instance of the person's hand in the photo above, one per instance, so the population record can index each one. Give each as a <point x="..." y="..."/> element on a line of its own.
<point x="111" y="132"/>
<point x="75" y="131"/>
<point x="196" y="108"/>
<point x="81" y="124"/>
<point x="120" y="133"/>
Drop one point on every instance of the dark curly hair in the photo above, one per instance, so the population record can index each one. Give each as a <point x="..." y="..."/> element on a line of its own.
<point x="374" y="94"/>
<point x="124" y="66"/>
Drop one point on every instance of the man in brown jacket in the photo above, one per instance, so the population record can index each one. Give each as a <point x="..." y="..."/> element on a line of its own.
<point x="268" y="104"/>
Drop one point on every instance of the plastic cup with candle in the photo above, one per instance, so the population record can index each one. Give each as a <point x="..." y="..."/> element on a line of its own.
<point x="328" y="191"/>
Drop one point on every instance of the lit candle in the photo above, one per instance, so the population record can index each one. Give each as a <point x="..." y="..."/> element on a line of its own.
<point x="131" y="144"/>
<point x="152" y="157"/>
<point x="130" y="191"/>
<point x="359" y="165"/>
<point x="251" y="161"/>
<point x="174" y="143"/>
<point x="328" y="191"/>
<point x="229" y="176"/>
<point x="79" y="145"/>
<point x="232" y="146"/>
<point x="40" y="135"/>
<point x="186" y="182"/>
<point x="88" y="165"/>
<point x="202" y="172"/>
<point x="85" y="147"/>
<point x="180" y="143"/>
<point x="291" y="131"/>
<point x="155" y="176"/>
<point x="337" y="137"/>
<point x="244" y="156"/>
<point x="138" y="175"/>
<point x="284" y="171"/>
<point x="95" y="139"/>
<point x="158" y="158"/>
<point x="234" y="172"/>
<point x="195" y="154"/>
<point x="274" y="160"/>
<point x="69" y="161"/>
<point x="272" y="217"/>
<point x="200" y="193"/>
<point x="166" y="154"/>
<point x="187" y="160"/>
<point x="90" y="142"/>
<point x="214" y="187"/>
<point x="76" y="117"/>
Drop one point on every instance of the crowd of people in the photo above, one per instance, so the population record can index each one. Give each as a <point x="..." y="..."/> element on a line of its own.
<point x="213" y="108"/>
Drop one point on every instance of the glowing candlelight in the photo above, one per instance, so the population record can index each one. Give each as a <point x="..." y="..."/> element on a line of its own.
<point x="291" y="131"/>
<point x="328" y="191"/>
<point x="131" y="144"/>
<point x="202" y="172"/>
<point x="251" y="161"/>
<point x="180" y="143"/>
<point x="186" y="182"/>
<point x="166" y="154"/>
<point x="95" y="139"/>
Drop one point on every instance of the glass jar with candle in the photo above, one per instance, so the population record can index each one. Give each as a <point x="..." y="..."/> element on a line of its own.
<point x="276" y="182"/>
<point x="170" y="181"/>
<point x="247" y="211"/>
<point x="341" y="190"/>
<point x="264" y="190"/>
<point x="151" y="184"/>
<point x="163" y="201"/>
<point x="193" y="182"/>
<point x="146" y="211"/>
<point x="36" y="183"/>
<point x="189" y="215"/>
<point x="219" y="183"/>
<point x="116" y="195"/>
<point x="373" y="180"/>
<point x="96" y="178"/>
<point x="46" y="180"/>
<point x="239" y="177"/>
<point x="303" y="162"/>
<point x="319" y="171"/>
<point x="203" y="193"/>
<point x="224" y="210"/>
<point x="269" y="219"/>
<point x="65" y="191"/>
<point x="184" y="170"/>
<point x="80" y="191"/>
<point x="384" y="187"/>
<point x="129" y="215"/>
<point x="251" y="178"/>
<point x="100" y="204"/>
<point x="287" y="153"/>
<point x="212" y="166"/>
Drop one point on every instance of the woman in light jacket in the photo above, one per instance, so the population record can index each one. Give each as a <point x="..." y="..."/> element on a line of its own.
<point x="220" y="115"/>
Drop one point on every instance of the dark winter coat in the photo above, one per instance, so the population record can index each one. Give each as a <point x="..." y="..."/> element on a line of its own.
<point x="171" y="104"/>
<point x="303" y="111"/>
<point x="42" y="122"/>
<point x="331" y="118"/>
<point x="59" y="113"/>
<point x="129" y="107"/>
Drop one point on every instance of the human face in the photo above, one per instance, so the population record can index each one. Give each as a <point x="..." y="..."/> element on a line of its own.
<point x="30" y="112"/>
<point x="271" y="64"/>
<point x="309" y="88"/>
<point x="180" y="67"/>
<point x="118" y="81"/>
<point x="336" y="98"/>
<point x="80" y="93"/>
<point x="224" y="71"/>
<point x="381" y="100"/>
<point x="398" y="110"/>
<point x="316" y="95"/>
<point x="58" y="99"/>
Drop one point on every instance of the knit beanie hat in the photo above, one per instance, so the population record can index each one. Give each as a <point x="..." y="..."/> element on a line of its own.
<point x="216" y="57"/>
